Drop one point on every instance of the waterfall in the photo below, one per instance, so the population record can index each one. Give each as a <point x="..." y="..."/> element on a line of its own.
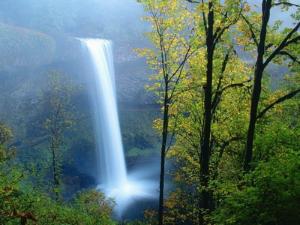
<point x="111" y="175"/>
<point x="112" y="169"/>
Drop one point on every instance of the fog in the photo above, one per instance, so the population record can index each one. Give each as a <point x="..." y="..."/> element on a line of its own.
<point x="74" y="17"/>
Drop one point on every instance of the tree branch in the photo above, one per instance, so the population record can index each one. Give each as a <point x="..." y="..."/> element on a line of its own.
<point x="173" y="135"/>
<point x="175" y="84"/>
<point x="185" y="58"/>
<point x="251" y="30"/>
<point x="223" y="146"/>
<point x="293" y="58"/>
<point x="294" y="40"/>
<point x="285" y="42"/>
<point x="204" y="19"/>
<point x="218" y="34"/>
<point x="241" y="84"/>
<point x="222" y="22"/>
<point x="285" y="3"/>
<point x="278" y="101"/>
<point x="193" y="1"/>
<point x="217" y="94"/>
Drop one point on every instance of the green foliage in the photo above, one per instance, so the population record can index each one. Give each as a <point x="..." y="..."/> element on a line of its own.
<point x="268" y="195"/>
<point x="175" y="26"/>
<point x="19" y="202"/>
<point x="60" y="118"/>
<point x="95" y="204"/>
<point x="89" y="208"/>
<point x="45" y="211"/>
<point x="5" y="136"/>
<point x="139" y="138"/>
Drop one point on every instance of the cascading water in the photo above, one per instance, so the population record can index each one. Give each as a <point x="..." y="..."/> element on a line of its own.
<point x="112" y="174"/>
<point x="109" y="142"/>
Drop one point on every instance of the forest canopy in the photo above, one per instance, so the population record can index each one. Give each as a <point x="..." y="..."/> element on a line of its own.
<point x="224" y="103"/>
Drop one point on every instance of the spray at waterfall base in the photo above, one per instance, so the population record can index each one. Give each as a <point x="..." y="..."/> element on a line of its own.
<point x="129" y="193"/>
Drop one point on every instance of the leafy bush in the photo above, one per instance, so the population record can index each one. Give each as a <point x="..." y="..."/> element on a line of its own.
<point x="20" y="203"/>
<point x="270" y="195"/>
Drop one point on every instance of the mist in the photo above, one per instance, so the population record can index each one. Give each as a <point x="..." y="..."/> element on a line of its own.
<point x="81" y="134"/>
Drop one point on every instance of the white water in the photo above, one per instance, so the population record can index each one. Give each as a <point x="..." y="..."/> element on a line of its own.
<point x="112" y="170"/>
<point x="112" y="174"/>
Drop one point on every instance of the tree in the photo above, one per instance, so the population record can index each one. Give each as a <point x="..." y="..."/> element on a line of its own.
<point x="96" y="205"/>
<point x="10" y="178"/>
<point x="5" y="137"/>
<point x="269" y="195"/>
<point x="268" y="50"/>
<point x="208" y="112"/>
<point x="21" y="204"/>
<point x="228" y="127"/>
<point x="60" y="117"/>
<point x="211" y="20"/>
<point x="168" y="59"/>
<point x="217" y="19"/>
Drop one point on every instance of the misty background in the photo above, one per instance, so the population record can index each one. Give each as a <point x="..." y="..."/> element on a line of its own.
<point x="40" y="36"/>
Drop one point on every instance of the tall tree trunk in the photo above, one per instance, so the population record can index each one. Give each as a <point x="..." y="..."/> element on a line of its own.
<point x="259" y="70"/>
<point x="56" y="182"/>
<point x="205" y="146"/>
<point x="163" y="156"/>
